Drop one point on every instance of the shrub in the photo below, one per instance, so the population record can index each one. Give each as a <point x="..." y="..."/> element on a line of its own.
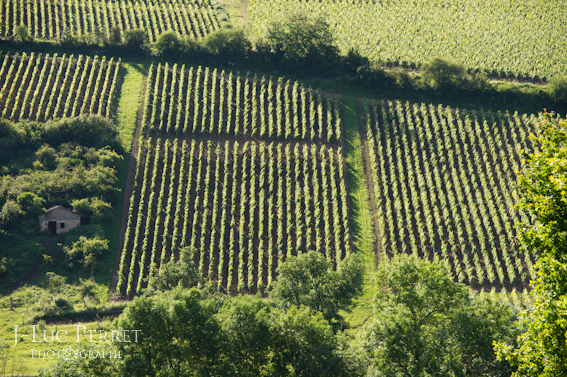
<point x="136" y="38"/>
<point x="168" y="43"/>
<point x="440" y="73"/>
<point x="557" y="88"/>
<point x="90" y="131"/>
<point x="22" y="34"/>
<point x="115" y="36"/>
<point x="302" y="39"/>
<point x="227" y="42"/>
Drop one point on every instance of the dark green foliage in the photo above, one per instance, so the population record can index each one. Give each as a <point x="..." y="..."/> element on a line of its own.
<point x="136" y="38"/>
<point x="87" y="130"/>
<point x="557" y="88"/>
<point x="440" y="73"/>
<point x="179" y="335"/>
<point x="92" y="209"/>
<point x="168" y="43"/>
<point x="543" y="346"/>
<point x="115" y="36"/>
<point x="86" y="251"/>
<point x="183" y="334"/>
<point x="61" y="303"/>
<point x="22" y="34"/>
<point x="228" y="42"/>
<point x="310" y="280"/>
<point x="301" y="40"/>
<point x="428" y="325"/>
<point x="175" y="273"/>
<point x="10" y="214"/>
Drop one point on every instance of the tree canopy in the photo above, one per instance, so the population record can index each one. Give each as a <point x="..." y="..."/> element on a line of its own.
<point x="543" y="347"/>
<point x="428" y="325"/>
<point x="309" y="280"/>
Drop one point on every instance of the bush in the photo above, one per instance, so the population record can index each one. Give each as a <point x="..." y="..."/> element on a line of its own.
<point x="61" y="303"/>
<point x="226" y="42"/>
<point x="22" y="34"/>
<point x="440" y="73"/>
<point x="168" y="43"/>
<point x="302" y="40"/>
<point x="88" y="130"/>
<point x="136" y="38"/>
<point x="93" y="209"/>
<point x="10" y="215"/>
<point x="557" y="88"/>
<point x="115" y="36"/>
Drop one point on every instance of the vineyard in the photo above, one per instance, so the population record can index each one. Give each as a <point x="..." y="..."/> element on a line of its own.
<point x="243" y="200"/>
<point x="207" y="102"/>
<point x="444" y="188"/>
<point x="505" y="36"/>
<point x="46" y="19"/>
<point x="38" y="87"/>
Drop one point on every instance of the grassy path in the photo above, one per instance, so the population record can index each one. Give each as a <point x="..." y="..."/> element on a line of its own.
<point x="128" y="119"/>
<point x="361" y="215"/>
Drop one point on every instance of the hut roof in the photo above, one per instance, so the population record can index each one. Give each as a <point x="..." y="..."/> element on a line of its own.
<point x="58" y="213"/>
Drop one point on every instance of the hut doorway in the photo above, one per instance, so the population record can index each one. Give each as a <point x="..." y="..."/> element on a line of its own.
<point x="52" y="227"/>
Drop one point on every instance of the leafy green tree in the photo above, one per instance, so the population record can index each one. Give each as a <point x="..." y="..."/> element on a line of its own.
<point x="93" y="208"/>
<point x="175" y="273"/>
<point x="115" y="36"/>
<point x="136" y="38"/>
<point x="87" y="251"/>
<point x="227" y="42"/>
<point x="309" y="280"/>
<point x="87" y="288"/>
<point x="30" y="203"/>
<point x="245" y="323"/>
<point x="542" y="350"/>
<point x="179" y="335"/>
<point x="22" y="34"/>
<point x="440" y="73"/>
<point x="428" y="325"/>
<point x="302" y="40"/>
<point x="557" y="88"/>
<point x="10" y="215"/>
<point x="168" y="43"/>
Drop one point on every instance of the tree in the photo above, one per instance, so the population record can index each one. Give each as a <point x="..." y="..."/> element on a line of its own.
<point x="115" y="36"/>
<point x="10" y="215"/>
<point x="302" y="40"/>
<point x="92" y="208"/>
<point x="440" y="73"/>
<point x="168" y="43"/>
<point x="557" y="88"/>
<point x="22" y="34"/>
<point x="30" y="203"/>
<point x="542" y="349"/>
<point x="227" y="42"/>
<point x="428" y="325"/>
<point x="309" y="280"/>
<point x="175" y="273"/>
<point x="87" y="288"/>
<point x="87" y="251"/>
<point x="179" y="335"/>
<point x="136" y="38"/>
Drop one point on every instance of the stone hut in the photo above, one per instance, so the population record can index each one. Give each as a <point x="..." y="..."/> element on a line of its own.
<point x="59" y="220"/>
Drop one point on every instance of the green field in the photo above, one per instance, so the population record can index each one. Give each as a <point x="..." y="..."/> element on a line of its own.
<point x="508" y="37"/>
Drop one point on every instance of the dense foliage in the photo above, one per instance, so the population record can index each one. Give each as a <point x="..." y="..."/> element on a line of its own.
<point x="428" y="325"/>
<point x="543" y="346"/>
<point x="63" y="162"/>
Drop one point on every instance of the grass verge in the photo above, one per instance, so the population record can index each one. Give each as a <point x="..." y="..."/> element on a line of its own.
<point x="361" y="215"/>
